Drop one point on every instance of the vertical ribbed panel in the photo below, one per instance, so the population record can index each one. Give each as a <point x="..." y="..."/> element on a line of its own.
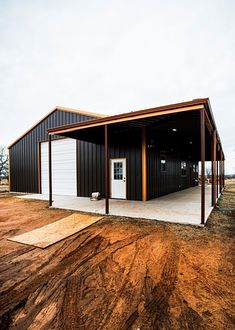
<point x="24" y="154"/>
<point x="163" y="183"/>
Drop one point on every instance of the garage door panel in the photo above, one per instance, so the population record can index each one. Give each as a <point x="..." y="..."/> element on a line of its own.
<point x="64" y="176"/>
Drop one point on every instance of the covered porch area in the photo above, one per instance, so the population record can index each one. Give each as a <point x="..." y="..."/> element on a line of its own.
<point x="180" y="207"/>
<point x="160" y="149"/>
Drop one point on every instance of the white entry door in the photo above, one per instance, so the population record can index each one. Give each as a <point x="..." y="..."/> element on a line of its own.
<point x="64" y="176"/>
<point x="118" y="178"/>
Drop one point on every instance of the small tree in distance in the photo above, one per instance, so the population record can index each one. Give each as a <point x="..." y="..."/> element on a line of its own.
<point x="3" y="162"/>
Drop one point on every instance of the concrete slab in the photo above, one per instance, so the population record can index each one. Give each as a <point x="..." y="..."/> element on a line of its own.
<point x="179" y="207"/>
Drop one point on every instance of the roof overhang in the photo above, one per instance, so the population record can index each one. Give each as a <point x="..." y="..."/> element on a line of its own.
<point x="129" y="116"/>
<point x="136" y="116"/>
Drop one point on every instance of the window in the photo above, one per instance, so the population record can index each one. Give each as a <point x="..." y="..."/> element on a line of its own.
<point x="118" y="171"/>
<point x="183" y="168"/>
<point x="163" y="164"/>
<point x="195" y="168"/>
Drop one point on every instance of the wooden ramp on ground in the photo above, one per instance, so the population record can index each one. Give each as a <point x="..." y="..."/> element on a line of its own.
<point x="56" y="231"/>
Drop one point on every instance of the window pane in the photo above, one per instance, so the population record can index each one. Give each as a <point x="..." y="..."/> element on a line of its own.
<point x="118" y="171"/>
<point x="183" y="168"/>
<point x="163" y="163"/>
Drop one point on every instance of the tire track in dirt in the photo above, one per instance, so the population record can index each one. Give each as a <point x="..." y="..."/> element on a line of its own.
<point x="96" y="266"/>
<point x="85" y="254"/>
<point x="157" y="293"/>
<point x="118" y="274"/>
<point x="29" y="282"/>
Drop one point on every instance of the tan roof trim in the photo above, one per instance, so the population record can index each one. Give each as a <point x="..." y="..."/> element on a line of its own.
<point x="78" y="111"/>
<point x="81" y="112"/>
<point x="173" y="108"/>
<point x="95" y="123"/>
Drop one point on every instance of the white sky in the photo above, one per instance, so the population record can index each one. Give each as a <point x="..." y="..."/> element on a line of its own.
<point x="116" y="56"/>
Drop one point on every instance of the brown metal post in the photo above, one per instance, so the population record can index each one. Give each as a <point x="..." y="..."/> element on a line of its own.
<point x="212" y="175"/>
<point x="106" y="152"/>
<point x="220" y="172"/>
<point x="202" y="135"/>
<point x="222" y="177"/>
<point x="217" y="176"/>
<point x="50" y="171"/>
<point x="223" y="174"/>
<point x="9" y="170"/>
<point x="213" y="161"/>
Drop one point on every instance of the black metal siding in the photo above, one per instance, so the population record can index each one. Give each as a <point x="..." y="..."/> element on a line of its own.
<point x="24" y="153"/>
<point x="123" y="144"/>
<point x="127" y="144"/>
<point x="163" y="183"/>
<point x="90" y="168"/>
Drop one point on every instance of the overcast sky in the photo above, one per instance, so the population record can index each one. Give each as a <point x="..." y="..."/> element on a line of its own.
<point x="116" y="56"/>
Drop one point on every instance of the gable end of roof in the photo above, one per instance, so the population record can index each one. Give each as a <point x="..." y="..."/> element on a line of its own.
<point x="57" y="108"/>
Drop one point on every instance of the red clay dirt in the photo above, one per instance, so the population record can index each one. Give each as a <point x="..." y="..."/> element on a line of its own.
<point x="119" y="273"/>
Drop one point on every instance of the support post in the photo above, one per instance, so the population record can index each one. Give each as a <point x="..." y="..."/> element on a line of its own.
<point x="219" y="174"/>
<point x="217" y="171"/>
<point x="106" y="152"/>
<point x="213" y="160"/>
<point x="39" y="167"/>
<point x="223" y="173"/>
<point x="202" y="135"/>
<point x="50" y="171"/>
<point x="144" y="163"/>
<point x="9" y="170"/>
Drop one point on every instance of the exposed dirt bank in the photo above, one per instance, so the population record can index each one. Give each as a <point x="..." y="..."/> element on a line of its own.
<point x="119" y="273"/>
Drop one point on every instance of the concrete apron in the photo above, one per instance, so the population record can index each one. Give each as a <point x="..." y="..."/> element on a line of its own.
<point x="182" y="207"/>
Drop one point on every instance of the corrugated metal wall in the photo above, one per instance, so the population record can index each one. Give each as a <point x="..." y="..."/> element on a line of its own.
<point x="127" y="144"/>
<point x="162" y="183"/>
<point x="90" y="168"/>
<point x="123" y="144"/>
<point x="24" y="154"/>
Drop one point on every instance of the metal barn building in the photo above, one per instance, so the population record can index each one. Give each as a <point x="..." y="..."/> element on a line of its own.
<point x="136" y="156"/>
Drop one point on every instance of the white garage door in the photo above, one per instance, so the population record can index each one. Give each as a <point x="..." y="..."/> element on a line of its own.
<point x="64" y="176"/>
